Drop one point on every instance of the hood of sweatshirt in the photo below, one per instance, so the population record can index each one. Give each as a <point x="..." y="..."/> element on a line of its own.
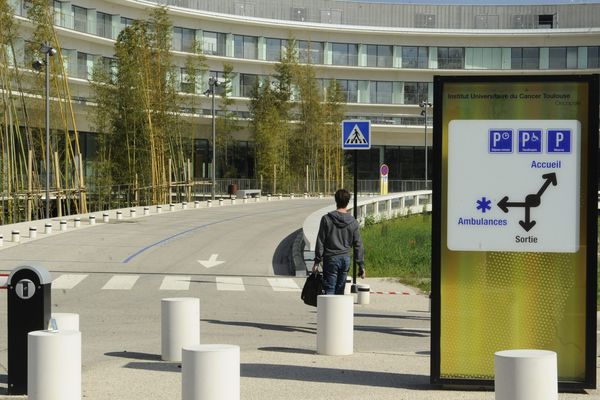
<point x="341" y="220"/>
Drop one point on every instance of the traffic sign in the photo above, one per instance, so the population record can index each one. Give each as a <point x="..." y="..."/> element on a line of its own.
<point x="507" y="191"/>
<point x="356" y="135"/>
<point x="384" y="170"/>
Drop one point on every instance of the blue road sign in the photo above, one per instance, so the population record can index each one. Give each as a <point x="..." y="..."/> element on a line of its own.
<point x="501" y="141"/>
<point x="530" y="140"/>
<point x="559" y="140"/>
<point x="356" y="135"/>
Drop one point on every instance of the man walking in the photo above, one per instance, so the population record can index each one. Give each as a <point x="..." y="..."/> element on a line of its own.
<point x="337" y="233"/>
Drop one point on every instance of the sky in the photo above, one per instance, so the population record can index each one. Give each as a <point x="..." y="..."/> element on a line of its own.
<point x="482" y="2"/>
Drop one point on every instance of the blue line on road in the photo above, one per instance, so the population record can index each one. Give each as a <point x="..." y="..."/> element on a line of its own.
<point x="143" y="249"/>
<point x="160" y="242"/>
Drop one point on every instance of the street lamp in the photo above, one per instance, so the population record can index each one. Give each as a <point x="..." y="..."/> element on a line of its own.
<point x="213" y="83"/>
<point x="48" y="51"/>
<point x="425" y="105"/>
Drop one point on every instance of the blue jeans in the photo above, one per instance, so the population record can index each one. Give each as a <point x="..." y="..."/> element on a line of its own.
<point x="335" y="271"/>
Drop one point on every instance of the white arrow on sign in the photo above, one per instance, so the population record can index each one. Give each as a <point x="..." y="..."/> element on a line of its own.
<point x="211" y="262"/>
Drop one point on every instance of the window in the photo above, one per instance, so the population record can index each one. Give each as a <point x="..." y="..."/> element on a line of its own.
<point x="125" y="22"/>
<point x="381" y="92"/>
<point x="415" y="57"/>
<point x="310" y="52"/>
<point x="184" y="39"/>
<point x="213" y="43"/>
<point x="525" y="58"/>
<point x="379" y="56"/>
<point x="451" y="57"/>
<point x="349" y="90"/>
<point x="593" y="57"/>
<point x="245" y="47"/>
<point x="82" y="66"/>
<point x="546" y="21"/>
<point x="558" y="58"/>
<point x="415" y="92"/>
<point x="104" y="25"/>
<point x="344" y="54"/>
<point x="275" y="48"/>
<point x="80" y="19"/>
<point x="247" y="82"/>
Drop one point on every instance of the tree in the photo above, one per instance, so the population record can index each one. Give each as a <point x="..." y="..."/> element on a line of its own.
<point x="226" y="124"/>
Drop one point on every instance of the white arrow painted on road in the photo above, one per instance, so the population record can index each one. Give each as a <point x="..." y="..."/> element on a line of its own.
<point x="211" y="262"/>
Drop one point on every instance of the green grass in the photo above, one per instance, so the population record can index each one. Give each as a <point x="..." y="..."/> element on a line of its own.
<point x="401" y="248"/>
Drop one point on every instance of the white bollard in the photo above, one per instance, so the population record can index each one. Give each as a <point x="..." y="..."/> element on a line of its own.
<point x="306" y="195"/>
<point x="15" y="236"/>
<point x="184" y="205"/>
<point x="280" y="197"/>
<point x="210" y="372"/>
<point x="63" y="225"/>
<point x="196" y="204"/>
<point x="105" y="217"/>
<point x="525" y="375"/>
<point x="54" y="365"/>
<point x="348" y="286"/>
<point x="257" y="199"/>
<point x="77" y="222"/>
<point x="1" y="240"/>
<point x="335" y="325"/>
<point x="32" y="232"/>
<point x="320" y="195"/>
<point x="268" y="197"/>
<point x="158" y="209"/>
<point x="220" y="202"/>
<point x="119" y="215"/>
<point x="364" y="294"/>
<point x="146" y="210"/>
<point x="180" y="326"/>
<point x="171" y="207"/>
<point x="65" y="321"/>
<point x="232" y="201"/>
<point x="209" y="203"/>
<point x="132" y="213"/>
<point x="292" y="196"/>
<point x="47" y="229"/>
<point x="92" y="220"/>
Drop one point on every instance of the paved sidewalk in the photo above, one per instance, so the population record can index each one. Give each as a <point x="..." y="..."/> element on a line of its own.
<point x="280" y="361"/>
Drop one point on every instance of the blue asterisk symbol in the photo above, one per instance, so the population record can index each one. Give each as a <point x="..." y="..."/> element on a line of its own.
<point x="484" y="204"/>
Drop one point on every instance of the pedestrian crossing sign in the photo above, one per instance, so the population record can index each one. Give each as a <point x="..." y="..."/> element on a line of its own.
<point x="356" y="135"/>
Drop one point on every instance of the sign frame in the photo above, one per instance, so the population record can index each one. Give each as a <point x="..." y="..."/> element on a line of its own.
<point x="589" y="181"/>
<point x="347" y="127"/>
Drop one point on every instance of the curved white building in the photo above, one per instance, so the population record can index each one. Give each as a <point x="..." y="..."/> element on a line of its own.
<point x="384" y="55"/>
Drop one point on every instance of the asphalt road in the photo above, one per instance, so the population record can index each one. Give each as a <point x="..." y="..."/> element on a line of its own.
<point x="235" y="260"/>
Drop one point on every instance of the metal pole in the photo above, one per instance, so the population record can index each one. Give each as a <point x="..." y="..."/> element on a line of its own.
<point x="425" y="108"/>
<point x="214" y="135"/>
<point x="355" y="211"/>
<point x="47" y="134"/>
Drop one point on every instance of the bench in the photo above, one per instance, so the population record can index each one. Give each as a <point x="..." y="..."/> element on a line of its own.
<point x="248" y="193"/>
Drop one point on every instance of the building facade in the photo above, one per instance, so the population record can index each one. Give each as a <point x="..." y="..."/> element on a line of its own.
<point x="384" y="56"/>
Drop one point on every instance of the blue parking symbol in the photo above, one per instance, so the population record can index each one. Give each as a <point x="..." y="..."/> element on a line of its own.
<point x="501" y="141"/>
<point x="530" y="140"/>
<point x="559" y="140"/>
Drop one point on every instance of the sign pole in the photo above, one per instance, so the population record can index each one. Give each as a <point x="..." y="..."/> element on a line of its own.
<point x="355" y="211"/>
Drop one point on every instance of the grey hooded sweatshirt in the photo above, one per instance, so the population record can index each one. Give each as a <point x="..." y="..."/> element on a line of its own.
<point x="337" y="233"/>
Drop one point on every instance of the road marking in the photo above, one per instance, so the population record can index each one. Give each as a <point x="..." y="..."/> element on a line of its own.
<point x="121" y="282"/>
<point x="229" y="283"/>
<point x="283" y="284"/>
<point x="176" y="283"/>
<point x="211" y="262"/>
<point x="67" y="281"/>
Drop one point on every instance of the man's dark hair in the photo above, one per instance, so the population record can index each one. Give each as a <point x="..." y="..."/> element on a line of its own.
<point x="342" y="198"/>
